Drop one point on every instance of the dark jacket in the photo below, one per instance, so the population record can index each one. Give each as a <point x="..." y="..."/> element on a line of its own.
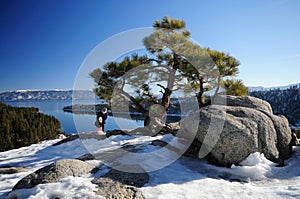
<point x="103" y="115"/>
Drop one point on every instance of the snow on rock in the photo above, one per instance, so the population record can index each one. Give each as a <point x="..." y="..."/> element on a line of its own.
<point x="54" y="172"/>
<point x="60" y="136"/>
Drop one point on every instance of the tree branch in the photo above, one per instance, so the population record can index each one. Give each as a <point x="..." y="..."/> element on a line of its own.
<point x="133" y="108"/>
<point x="152" y="98"/>
<point x="138" y="107"/>
<point x="161" y="86"/>
<point x="152" y="59"/>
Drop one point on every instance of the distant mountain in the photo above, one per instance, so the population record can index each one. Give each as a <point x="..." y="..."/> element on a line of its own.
<point x="284" y="101"/>
<point x="47" y="95"/>
<point x="257" y="88"/>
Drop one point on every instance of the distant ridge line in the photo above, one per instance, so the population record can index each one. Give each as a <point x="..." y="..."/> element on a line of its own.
<point x="262" y="88"/>
<point x="47" y="95"/>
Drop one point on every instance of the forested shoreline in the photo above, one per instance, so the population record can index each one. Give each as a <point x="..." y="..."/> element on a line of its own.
<point x="25" y="126"/>
<point x="283" y="101"/>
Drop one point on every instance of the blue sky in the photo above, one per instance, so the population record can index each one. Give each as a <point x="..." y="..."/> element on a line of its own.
<point x="43" y="43"/>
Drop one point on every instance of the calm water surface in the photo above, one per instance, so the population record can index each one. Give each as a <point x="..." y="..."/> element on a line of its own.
<point x="74" y="123"/>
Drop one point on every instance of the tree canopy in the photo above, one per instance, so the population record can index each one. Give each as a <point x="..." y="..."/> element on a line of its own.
<point x="234" y="87"/>
<point x="173" y="62"/>
<point x="209" y="75"/>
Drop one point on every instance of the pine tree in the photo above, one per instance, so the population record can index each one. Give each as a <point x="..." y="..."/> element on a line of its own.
<point x="172" y="62"/>
<point x="235" y="87"/>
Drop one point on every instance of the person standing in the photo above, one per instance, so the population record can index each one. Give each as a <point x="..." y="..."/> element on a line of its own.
<point x="102" y="115"/>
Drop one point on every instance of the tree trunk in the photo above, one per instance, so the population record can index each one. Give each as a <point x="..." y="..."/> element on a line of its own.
<point x="218" y="88"/>
<point x="166" y="98"/>
<point x="147" y="120"/>
<point x="201" y="92"/>
<point x="200" y="95"/>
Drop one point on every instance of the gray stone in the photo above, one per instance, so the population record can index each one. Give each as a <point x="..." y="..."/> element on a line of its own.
<point x="68" y="139"/>
<point x="164" y="144"/>
<point x="159" y="143"/>
<point x="11" y="170"/>
<point x="295" y="141"/>
<point x="111" y="189"/>
<point x="173" y="126"/>
<point x="54" y="172"/>
<point x="87" y="135"/>
<point x="170" y="128"/>
<point x="86" y="157"/>
<point x="137" y="179"/>
<point x="284" y="136"/>
<point x="246" y="125"/>
<point x="243" y="101"/>
<point x="116" y="132"/>
<point x="122" y="184"/>
<point x="155" y="127"/>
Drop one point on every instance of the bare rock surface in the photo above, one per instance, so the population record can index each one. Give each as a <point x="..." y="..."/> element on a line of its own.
<point x="54" y="172"/>
<point x="111" y="189"/>
<point x="230" y="132"/>
<point x="122" y="184"/>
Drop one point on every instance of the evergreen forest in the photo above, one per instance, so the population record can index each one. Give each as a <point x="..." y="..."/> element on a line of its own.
<point x="25" y="126"/>
<point x="283" y="101"/>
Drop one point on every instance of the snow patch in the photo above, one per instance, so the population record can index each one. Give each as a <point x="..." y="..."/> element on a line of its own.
<point x="254" y="167"/>
<point x="68" y="188"/>
<point x="184" y="178"/>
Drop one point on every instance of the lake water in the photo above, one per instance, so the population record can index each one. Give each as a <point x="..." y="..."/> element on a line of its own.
<point x="74" y="123"/>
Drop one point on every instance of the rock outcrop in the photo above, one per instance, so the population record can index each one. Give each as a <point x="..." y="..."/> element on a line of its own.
<point x="229" y="132"/>
<point x="54" y="172"/>
<point x="121" y="184"/>
<point x="137" y="179"/>
<point x="111" y="189"/>
<point x="114" y="184"/>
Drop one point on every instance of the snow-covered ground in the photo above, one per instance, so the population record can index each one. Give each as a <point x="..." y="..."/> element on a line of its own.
<point x="256" y="177"/>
